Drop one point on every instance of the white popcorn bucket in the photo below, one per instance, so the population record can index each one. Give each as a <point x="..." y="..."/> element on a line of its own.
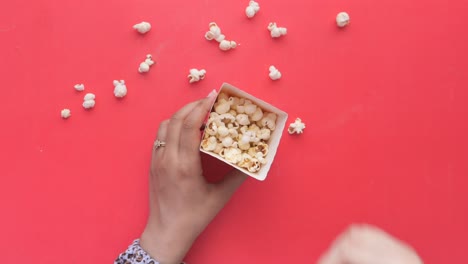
<point x="275" y="137"/>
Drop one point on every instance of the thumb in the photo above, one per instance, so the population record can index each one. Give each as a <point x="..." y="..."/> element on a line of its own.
<point x="226" y="188"/>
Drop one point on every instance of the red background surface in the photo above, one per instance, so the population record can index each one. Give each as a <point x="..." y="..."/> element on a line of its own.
<point x="384" y="101"/>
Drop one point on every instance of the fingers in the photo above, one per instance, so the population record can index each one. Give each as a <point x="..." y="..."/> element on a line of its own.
<point x="232" y="181"/>
<point x="190" y="133"/>
<point x="186" y="119"/>
<point x="175" y="126"/>
<point x="156" y="157"/>
<point x="161" y="136"/>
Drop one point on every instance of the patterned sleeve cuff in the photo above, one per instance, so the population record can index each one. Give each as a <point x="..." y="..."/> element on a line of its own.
<point x="136" y="255"/>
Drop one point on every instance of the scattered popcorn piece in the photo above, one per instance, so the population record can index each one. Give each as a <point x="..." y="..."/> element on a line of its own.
<point x="276" y="31"/>
<point x="89" y="96"/>
<point x="196" y="75"/>
<point x="79" y="87"/>
<point x="89" y="101"/>
<point x="274" y="73"/>
<point x="214" y="33"/>
<point x="342" y="19"/>
<point x="227" y="45"/>
<point x="252" y="9"/>
<point x="142" y="27"/>
<point x="89" y="104"/>
<point x="120" y="89"/>
<point x="296" y="127"/>
<point x="65" y="113"/>
<point x="145" y="66"/>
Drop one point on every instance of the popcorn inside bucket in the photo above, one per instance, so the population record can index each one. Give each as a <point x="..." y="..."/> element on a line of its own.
<point x="243" y="131"/>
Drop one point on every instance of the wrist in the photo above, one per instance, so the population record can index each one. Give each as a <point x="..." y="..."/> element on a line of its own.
<point x="164" y="245"/>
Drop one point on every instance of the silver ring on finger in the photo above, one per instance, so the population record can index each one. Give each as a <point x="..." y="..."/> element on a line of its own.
<point x="159" y="144"/>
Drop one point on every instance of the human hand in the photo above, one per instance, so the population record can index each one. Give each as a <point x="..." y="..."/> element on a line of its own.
<point x="365" y="244"/>
<point x="182" y="203"/>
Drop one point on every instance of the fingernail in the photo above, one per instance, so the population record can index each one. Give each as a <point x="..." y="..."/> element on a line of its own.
<point x="212" y="94"/>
